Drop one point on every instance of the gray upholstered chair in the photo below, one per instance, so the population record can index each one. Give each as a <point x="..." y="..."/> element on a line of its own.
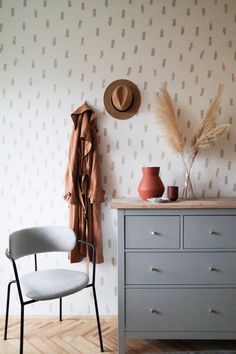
<point x="51" y="283"/>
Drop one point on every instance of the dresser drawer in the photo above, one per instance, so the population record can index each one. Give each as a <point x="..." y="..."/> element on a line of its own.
<point x="152" y="231"/>
<point x="181" y="268"/>
<point x="181" y="310"/>
<point x="213" y="231"/>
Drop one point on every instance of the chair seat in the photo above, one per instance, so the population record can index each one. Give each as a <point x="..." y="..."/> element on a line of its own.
<point x="53" y="283"/>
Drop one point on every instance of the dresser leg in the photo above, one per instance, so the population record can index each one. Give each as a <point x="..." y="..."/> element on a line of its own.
<point x="121" y="346"/>
<point x="121" y="338"/>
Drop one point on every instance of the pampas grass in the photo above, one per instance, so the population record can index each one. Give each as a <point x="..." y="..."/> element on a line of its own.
<point x="166" y="116"/>
<point x="209" y="132"/>
<point x="203" y="137"/>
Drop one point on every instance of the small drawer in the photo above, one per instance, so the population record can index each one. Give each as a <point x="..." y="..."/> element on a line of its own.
<point x="172" y="309"/>
<point x="213" y="231"/>
<point x="152" y="231"/>
<point x="186" y="268"/>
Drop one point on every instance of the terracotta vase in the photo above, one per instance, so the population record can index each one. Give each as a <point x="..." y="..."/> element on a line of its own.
<point x="151" y="185"/>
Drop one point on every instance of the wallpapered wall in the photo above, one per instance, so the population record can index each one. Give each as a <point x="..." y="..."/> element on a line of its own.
<point x="57" y="53"/>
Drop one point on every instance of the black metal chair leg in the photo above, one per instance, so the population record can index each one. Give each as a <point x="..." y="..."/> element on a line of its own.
<point x="98" y="319"/>
<point x="60" y="309"/>
<point x="22" y="329"/>
<point x="7" y="307"/>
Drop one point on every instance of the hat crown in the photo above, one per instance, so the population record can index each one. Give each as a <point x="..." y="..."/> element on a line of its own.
<point x="122" y="97"/>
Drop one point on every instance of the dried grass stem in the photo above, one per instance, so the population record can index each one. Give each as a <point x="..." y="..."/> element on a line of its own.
<point x="203" y="137"/>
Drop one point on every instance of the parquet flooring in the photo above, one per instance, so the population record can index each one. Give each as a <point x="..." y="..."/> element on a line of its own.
<point x="79" y="336"/>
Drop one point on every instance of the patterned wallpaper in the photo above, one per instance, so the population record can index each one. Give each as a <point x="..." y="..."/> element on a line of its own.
<point x="54" y="54"/>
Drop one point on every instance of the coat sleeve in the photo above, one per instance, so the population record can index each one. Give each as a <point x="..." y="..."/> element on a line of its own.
<point x="96" y="193"/>
<point x="71" y="192"/>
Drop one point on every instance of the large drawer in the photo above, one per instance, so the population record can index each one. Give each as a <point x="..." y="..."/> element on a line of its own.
<point x="181" y="310"/>
<point x="181" y="268"/>
<point x="152" y="231"/>
<point x="213" y="231"/>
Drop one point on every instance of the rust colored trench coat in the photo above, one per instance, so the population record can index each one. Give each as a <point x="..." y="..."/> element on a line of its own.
<point x="83" y="189"/>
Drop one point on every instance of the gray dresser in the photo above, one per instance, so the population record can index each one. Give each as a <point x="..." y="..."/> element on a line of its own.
<point x="177" y="269"/>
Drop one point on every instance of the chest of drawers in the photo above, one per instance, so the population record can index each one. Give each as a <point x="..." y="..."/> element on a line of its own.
<point x="176" y="269"/>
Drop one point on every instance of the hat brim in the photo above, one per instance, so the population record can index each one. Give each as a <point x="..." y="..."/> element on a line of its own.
<point x="132" y="110"/>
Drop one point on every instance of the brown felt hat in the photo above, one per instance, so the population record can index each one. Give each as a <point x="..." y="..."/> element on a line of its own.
<point x="122" y="99"/>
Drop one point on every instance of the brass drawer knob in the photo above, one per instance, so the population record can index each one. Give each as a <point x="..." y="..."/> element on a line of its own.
<point x="152" y="310"/>
<point x="210" y="310"/>
<point x="154" y="233"/>
<point x="213" y="269"/>
<point x="153" y="269"/>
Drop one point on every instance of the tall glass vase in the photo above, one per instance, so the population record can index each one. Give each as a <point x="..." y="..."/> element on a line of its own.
<point x="188" y="192"/>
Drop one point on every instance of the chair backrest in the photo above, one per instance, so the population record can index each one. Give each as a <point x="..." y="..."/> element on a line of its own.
<point x="41" y="239"/>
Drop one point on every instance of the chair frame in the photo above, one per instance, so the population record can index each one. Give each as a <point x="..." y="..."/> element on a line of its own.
<point x="24" y="303"/>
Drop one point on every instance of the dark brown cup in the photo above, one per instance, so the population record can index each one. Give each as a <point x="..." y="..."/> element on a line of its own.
<point x="173" y="192"/>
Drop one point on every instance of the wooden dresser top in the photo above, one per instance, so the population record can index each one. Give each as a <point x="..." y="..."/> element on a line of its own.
<point x="206" y="203"/>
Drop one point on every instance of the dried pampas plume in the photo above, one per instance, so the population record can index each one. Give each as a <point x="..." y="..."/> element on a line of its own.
<point x="209" y="132"/>
<point x="166" y="116"/>
<point x="202" y="138"/>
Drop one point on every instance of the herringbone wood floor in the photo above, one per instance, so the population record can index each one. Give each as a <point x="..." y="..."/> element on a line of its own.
<point x="79" y="336"/>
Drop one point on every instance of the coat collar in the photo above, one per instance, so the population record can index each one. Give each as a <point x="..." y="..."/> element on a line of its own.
<point x="80" y="110"/>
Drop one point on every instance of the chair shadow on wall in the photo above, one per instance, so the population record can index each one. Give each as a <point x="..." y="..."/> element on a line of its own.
<point x="41" y="285"/>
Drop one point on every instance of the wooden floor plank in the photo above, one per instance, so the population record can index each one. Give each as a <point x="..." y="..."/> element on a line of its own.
<point x="47" y="335"/>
